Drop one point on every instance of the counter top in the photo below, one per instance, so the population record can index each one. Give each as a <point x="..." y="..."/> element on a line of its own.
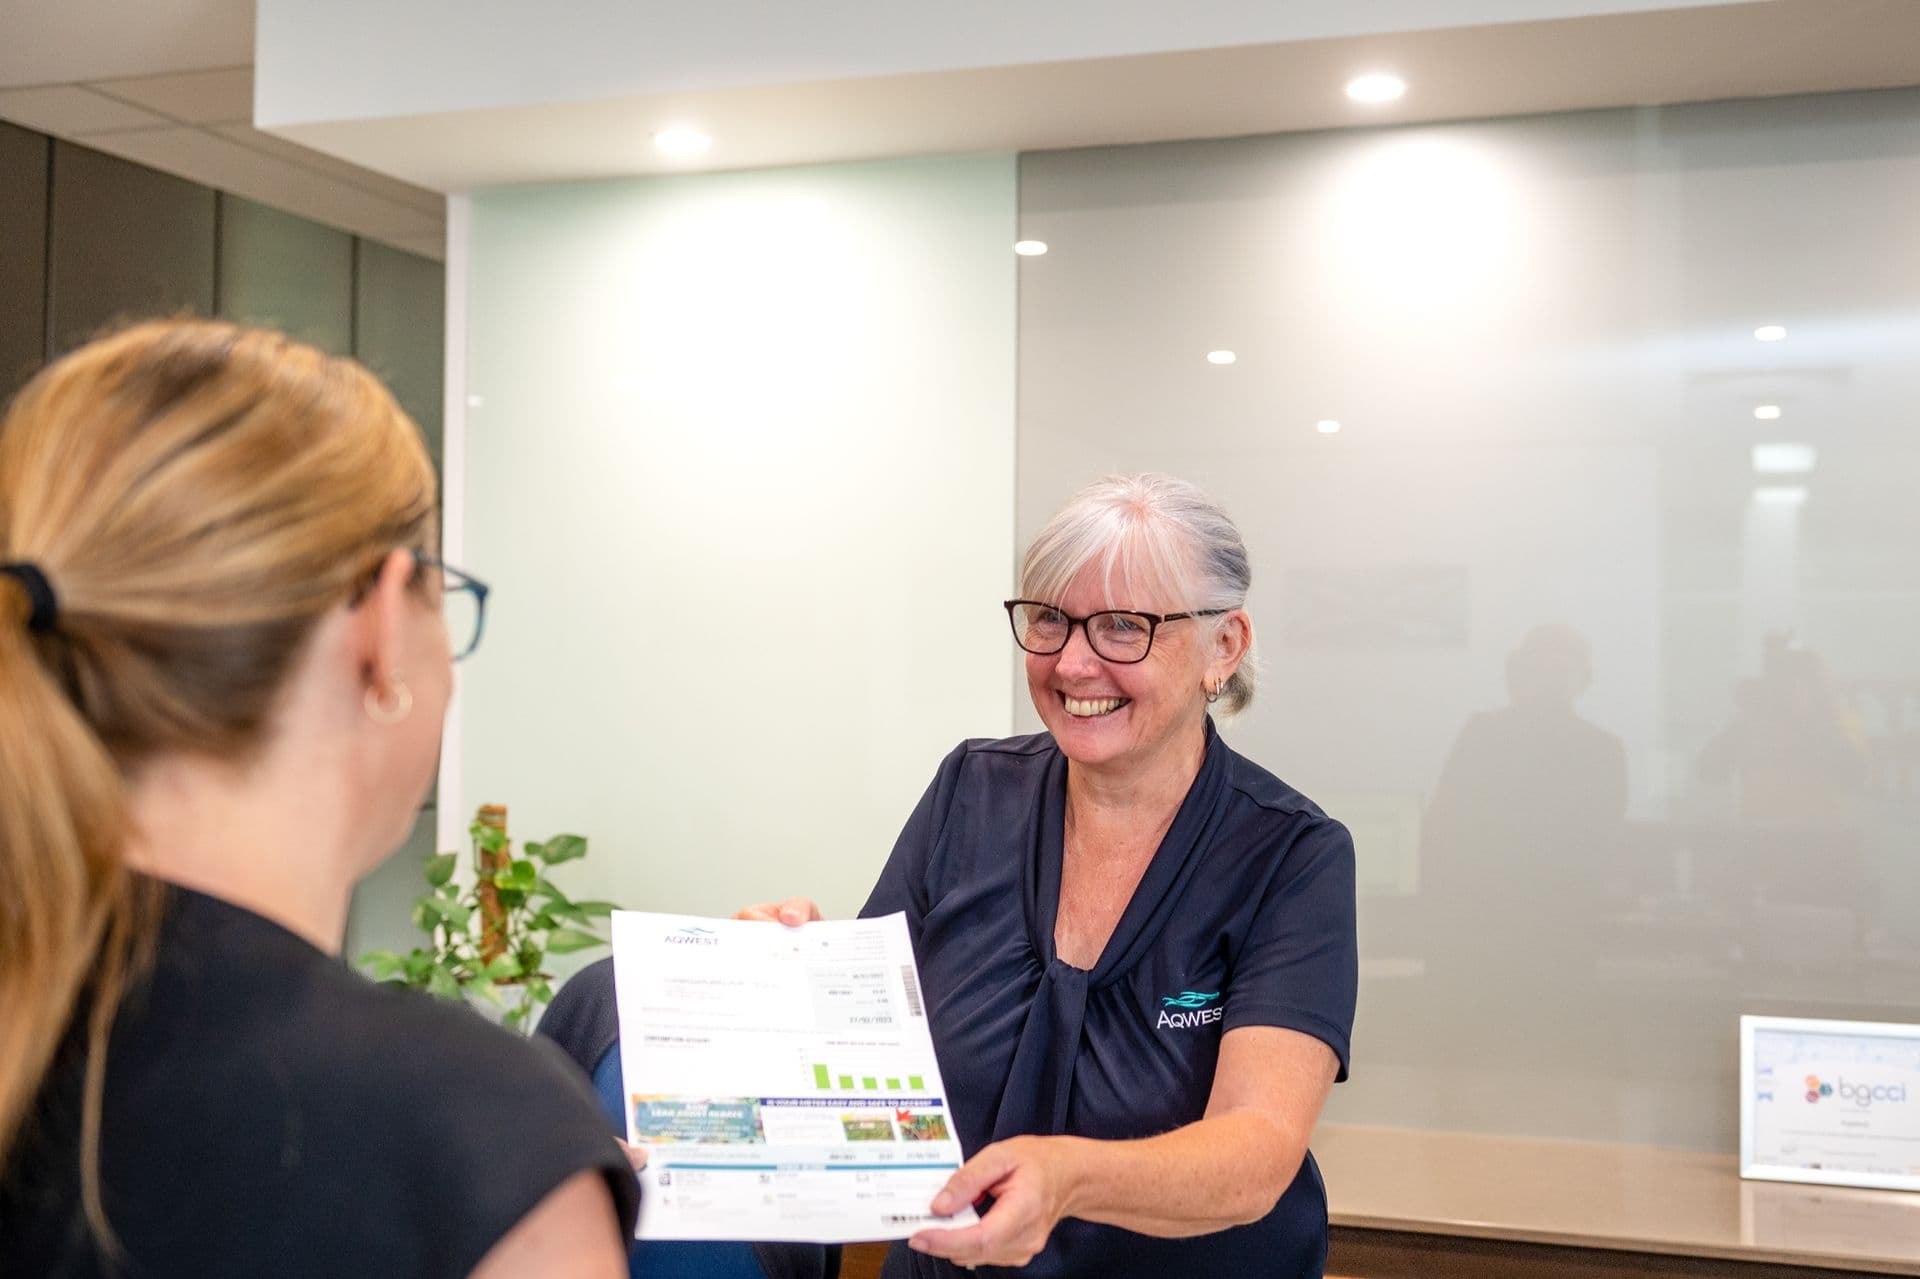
<point x="1605" y="1195"/>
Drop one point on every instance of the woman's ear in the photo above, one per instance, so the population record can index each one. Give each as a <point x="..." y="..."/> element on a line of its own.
<point x="380" y="635"/>
<point x="1231" y="642"/>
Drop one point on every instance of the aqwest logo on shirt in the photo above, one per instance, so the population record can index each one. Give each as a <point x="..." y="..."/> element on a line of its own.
<point x="1193" y="1010"/>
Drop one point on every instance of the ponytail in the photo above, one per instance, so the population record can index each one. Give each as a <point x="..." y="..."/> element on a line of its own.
<point x="73" y="921"/>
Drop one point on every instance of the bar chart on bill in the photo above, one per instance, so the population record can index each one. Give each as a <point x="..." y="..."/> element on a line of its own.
<point x="857" y="1076"/>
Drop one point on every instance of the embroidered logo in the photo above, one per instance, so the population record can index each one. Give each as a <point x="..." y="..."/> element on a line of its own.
<point x="1188" y="999"/>
<point x="1193" y="1010"/>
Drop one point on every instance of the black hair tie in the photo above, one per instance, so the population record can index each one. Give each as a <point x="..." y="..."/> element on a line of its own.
<point x="46" y="605"/>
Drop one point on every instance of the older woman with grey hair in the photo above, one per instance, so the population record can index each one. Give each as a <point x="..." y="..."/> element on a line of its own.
<point x="1137" y="946"/>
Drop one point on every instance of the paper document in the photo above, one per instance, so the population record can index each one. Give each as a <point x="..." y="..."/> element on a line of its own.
<point x="782" y="1080"/>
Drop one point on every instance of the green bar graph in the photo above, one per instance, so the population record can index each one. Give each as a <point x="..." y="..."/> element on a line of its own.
<point x="826" y="1080"/>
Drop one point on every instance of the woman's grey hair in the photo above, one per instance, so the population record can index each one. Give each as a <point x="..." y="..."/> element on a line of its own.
<point x="1154" y="537"/>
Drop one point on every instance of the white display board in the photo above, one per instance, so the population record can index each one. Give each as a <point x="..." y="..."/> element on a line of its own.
<point x="1833" y="1103"/>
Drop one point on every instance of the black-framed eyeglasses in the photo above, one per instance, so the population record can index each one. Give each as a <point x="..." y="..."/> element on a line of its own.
<point x="1118" y="635"/>
<point x="464" y="597"/>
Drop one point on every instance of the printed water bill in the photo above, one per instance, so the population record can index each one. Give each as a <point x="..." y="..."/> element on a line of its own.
<point x="782" y="1080"/>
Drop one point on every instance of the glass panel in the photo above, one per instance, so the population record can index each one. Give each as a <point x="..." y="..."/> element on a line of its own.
<point x="400" y="326"/>
<point x="286" y="273"/>
<point x="1575" y="457"/>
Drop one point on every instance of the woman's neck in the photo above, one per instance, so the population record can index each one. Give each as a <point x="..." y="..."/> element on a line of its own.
<point x="259" y="837"/>
<point x="1146" y="791"/>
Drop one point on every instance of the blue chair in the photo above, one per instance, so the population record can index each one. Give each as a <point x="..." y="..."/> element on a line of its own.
<point x="582" y="1019"/>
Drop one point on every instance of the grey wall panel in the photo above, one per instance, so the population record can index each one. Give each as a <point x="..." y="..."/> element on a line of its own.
<point x="23" y="255"/>
<point x="128" y="242"/>
<point x="284" y="272"/>
<point x="400" y="327"/>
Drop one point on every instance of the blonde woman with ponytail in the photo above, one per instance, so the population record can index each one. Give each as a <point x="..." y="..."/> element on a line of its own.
<point x="223" y="670"/>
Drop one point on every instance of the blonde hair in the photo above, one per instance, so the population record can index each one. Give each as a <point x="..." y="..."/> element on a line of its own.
<point x="198" y="495"/>
<point x="1150" y="535"/>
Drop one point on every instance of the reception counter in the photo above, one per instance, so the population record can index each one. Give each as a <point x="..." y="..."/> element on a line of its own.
<point x="1438" y="1193"/>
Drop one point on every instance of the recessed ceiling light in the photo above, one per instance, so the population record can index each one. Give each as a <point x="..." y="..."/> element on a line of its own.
<point x="1767" y="412"/>
<point x="1377" y="87"/>
<point x="1326" y="426"/>
<point x="1770" y="332"/>
<point x="1029" y="248"/>
<point x="1781" y="494"/>
<point x="1784" y="459"/>
<point x="682" y="139"/>
<point x="1221" y="357"/>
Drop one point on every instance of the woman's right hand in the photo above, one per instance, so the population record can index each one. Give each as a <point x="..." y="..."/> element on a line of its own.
<point x="792" y="912"/>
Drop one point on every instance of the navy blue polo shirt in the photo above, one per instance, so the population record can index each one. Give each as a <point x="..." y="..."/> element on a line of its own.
<point x="1245" y="917"/>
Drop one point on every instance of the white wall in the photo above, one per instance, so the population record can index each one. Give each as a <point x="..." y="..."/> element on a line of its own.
<point x="739" y="464"/>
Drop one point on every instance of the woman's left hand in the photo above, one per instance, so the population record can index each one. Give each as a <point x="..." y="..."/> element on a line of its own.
<point x="1031" y="1179"/>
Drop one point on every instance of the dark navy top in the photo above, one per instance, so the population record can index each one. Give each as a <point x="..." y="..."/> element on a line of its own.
<point x="1245" y="917"/>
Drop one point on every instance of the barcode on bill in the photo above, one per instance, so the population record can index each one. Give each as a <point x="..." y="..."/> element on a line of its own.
<point x="913" y="990"/>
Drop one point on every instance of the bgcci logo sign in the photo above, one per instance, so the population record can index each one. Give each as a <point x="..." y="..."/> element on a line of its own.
<point x="1860" y="1095"/>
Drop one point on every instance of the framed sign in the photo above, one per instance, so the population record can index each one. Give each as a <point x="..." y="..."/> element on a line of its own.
<point x="1834" y="1103"/>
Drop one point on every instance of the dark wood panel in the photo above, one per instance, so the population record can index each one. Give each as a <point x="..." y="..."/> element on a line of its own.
<point x="23" y="255"/>
<point x="1386" y="1254"/>
<point x="128" y="242"/>
<point x="862" y="1260"/>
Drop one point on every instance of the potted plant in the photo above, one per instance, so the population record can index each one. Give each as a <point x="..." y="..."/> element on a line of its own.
<point x="491" y="937"/>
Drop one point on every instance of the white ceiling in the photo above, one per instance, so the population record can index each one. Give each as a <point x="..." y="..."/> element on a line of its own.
<point x="169" y="84"/>
<point x="1677" y="54"/>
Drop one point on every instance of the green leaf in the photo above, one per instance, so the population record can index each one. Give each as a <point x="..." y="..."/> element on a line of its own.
<point x="513" y="898"/>
<point x="487" y="991"/>
<point x="565" y="848"/>
<point x="538" y="992"/>
<point x="440" y="869"/>
<point x="489" y="839"/>
<point x="533" y="850"/>
<point x="501" y="969"/>
<point x="382" y="963"/>
<point x="556" y="911"/>
<point x="442" y="983"/>
<point x="597" y="908"/>
<point x="563" y="941"/>
<point x="417" y="965"/>
<point x="520" y="874"/>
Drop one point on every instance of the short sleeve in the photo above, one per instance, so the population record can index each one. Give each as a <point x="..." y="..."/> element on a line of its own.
<point x="902" y="885"/>
<point x="511" y="1123"/>
<point x="1299" y="965"/>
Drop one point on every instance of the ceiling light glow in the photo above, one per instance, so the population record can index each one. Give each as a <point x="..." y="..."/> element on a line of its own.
<point x="1781" y="494"/>
<point x="1376" y="87"/>
<point x="1029" y="248"/>
<point x="1770" y="332"/>
<point x="1784" y="459"/>
<point x="682" y="140"/>
<point x="1767" y="412"/>
<point x="1221" y="357"/>
<point x="1327" y="426"/>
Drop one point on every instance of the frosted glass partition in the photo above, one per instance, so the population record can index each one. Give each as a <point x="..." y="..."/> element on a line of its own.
<point x="1578" y="460"/>
<point x="716" y="426"/>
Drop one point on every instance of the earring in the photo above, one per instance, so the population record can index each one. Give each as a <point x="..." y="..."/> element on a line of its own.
<point x="1213" y="694"/>
<point x="381" y="711"/>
